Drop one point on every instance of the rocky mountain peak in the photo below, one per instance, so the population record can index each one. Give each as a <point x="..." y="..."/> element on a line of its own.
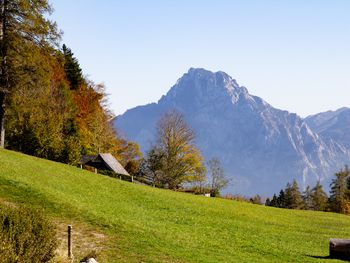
<point x="202" y="86"/>
<point x="261" y="148"/>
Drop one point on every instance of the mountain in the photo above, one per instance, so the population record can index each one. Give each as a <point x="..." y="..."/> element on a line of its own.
<point x="260" y="147"/>
<point x="332" y="125"/>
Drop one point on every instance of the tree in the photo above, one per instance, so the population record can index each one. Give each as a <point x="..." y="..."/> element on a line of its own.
<point x="307" y="198"/>
<point x="256" y="199"/>
<point x="130" y="154"/>
<point x="152" y="169"/>
<point x="72" y="68"/>
<point x="273" y="202"/>
<point x="339" y="191"/>
<point x="23" y="26"/>
<point x="178" y="159"/>
<point x="281" y="199"/>
<point x="293" y="196"/>
<point x="319" y="198"/>
<point x="217" y="179"/>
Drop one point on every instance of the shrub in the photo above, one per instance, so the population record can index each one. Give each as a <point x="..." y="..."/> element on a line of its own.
<point x="25" y="236"/>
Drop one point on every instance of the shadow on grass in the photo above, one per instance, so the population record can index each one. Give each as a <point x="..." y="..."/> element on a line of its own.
<point x="327" y="257"/>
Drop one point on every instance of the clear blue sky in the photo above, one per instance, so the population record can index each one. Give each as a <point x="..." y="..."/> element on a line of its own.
<point x="295" y="54"/>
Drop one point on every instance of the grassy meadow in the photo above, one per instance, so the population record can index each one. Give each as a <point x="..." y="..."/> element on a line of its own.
<point x="128" y="222"/>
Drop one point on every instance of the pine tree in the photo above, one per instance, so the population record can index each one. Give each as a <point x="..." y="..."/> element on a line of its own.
<point x="281" y="199"/>
<point x="72" y="68"/>
<point x="339" y="191"/>
<point x="319" y="198"/>
<point x="293" y="196"/>
<point x="274" y="201"/>
<point x="23" y="24"/>
<point x="307" y="198"/>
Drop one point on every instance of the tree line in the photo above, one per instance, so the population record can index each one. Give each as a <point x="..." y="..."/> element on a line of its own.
<point x="47" y="107"/>
<point x="316" y="198"/>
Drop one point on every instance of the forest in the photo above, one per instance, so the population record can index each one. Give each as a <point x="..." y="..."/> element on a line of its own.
<point x="48" y="107"/>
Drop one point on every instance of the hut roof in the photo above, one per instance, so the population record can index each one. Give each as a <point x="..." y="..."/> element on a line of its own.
<point x="108" y="160"/>
<point x="113" y="163"/>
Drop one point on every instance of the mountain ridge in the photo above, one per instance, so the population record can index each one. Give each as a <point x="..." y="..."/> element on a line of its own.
<point x="261" y="147"/>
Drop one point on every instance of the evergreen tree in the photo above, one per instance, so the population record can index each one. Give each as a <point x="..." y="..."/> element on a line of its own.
<point x="72" y="68"/>
<point x="293" y="198"/>
<point x="288" y="196"/>
<point x="339" y="191"/>
<point x="307" y="198"/>
<point x="281" y="200"/>
<point x="319" y="198"/>
<point x="23" y="25"/>
<point x="274" y="201"/>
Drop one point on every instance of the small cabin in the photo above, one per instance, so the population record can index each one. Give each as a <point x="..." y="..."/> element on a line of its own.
<point x="103" y="161"/>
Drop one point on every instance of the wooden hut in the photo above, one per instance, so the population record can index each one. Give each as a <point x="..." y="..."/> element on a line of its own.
<point x="103" y="161"/>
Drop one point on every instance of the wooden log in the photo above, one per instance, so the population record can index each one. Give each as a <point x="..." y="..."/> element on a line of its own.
<point x="339" y="248"/>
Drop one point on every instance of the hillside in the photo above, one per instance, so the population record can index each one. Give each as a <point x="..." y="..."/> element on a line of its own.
<point x="144" y="224"/>
<point x="254" y="141"/>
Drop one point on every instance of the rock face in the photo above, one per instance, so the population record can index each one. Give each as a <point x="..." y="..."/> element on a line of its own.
<point x="332" y="125"/>
<point x="260" y="147"/>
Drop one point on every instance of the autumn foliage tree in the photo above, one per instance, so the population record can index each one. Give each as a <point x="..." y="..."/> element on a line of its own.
<point x="174" y="155"/>
<point x="51" y="110"/>
<point x="23" y="29"/>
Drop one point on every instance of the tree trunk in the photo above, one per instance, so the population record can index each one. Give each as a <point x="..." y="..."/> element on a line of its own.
<point x="2" y="120"/>
<point x="4" y="81"/>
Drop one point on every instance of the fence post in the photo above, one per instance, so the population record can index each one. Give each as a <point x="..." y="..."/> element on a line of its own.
<point x="70" y="254"/>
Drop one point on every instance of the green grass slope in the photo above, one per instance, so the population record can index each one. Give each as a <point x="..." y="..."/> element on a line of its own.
<point x="145" y="224"/>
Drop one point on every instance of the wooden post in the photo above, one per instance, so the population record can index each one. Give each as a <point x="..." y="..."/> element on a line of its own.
<point x="132" y="178"/>
<point x="70" y="254"/>
<point x="95" y="171"/>
<point x="339" y="248"/>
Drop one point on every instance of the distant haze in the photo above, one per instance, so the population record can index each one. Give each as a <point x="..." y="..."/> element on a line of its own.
<point x="294" y="54"/>
<point x="261" y="148"/>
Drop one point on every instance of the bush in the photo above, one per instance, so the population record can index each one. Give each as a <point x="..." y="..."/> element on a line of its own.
<point x="25" y="236"/>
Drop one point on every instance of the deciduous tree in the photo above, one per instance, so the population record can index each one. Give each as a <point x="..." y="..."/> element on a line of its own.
<point x="179" y="160"/>
<point x="23" y="26"/>
<point x="217" y="179"/>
